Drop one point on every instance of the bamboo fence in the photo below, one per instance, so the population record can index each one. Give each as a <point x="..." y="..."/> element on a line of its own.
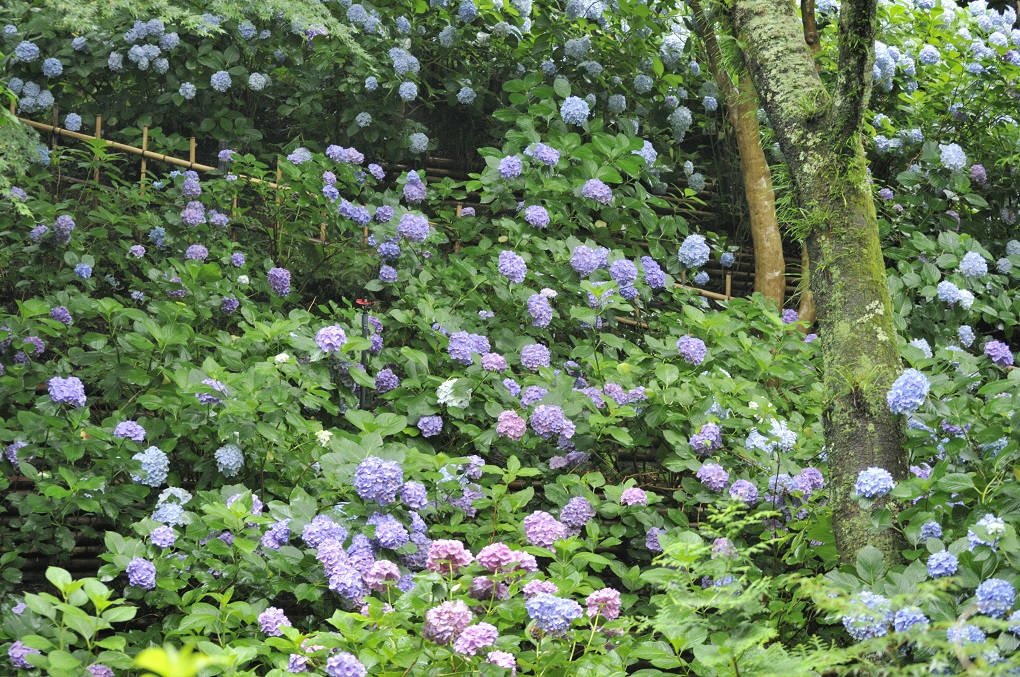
<point x="193" y="164"/>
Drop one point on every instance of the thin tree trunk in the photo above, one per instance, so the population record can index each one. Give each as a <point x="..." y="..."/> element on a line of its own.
<point x="820" y="136"/>
<point x="742" y="107"/>
<point x="807" y="310"/>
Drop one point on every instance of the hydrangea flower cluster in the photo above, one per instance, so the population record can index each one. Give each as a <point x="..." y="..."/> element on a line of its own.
<point x="378" y="480"/>
<point x="874" y="482"/>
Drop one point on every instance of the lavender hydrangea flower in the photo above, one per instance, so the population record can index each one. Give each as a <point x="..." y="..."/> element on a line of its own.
<point x="345" y="664"/>
<point x="535" y="355"/>
<point x="331" y="339"/>
<point x="577" y="512"/>
<point x="378" y="480"/>
<point x="542" y="529"/>
<point x="874" y="482"/>
<point x="745" y="491"/>
<point x="908" y="392"/>
<point x="692" y="349"/>
<point x="995" y="597"/>
<point x="999" y="353"/>
<point x="444" y="622"/>
<point x="537" y="216"/>
<point x="279" y="281"/>
<point x="931" y="530"/>
<point x="430" y="426"/>
<point x="595" y="189"/>
<point x="385" y="381"/>
<point x="413" y="227"/>
<point x="510" y="167"/>
<point x="474" y="638"/>
<point x="68" y="390"/>
<point x="952" y="156"/>
<point x="713" y="476"/>
<point x="141" y="573"/>
<point x="871" y="617"/>
<point x="271" y="620"/>
<point x="633" y="496"/>
<point x="129" y="430"/>
<point x="512" y="267"/>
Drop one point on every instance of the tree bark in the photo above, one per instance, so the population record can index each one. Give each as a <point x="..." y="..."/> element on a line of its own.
<point x="742" y="108"/>
<point x="819" y="133"/>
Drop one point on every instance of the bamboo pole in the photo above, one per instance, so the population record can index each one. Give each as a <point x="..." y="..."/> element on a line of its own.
<point x="99" y="135"/>
<point x="169" y="159"/>
<point x="56" y="123"/>
<point x="191" y="150"/>
<point x="729" y="285"/>
<point x="145" y="147"/>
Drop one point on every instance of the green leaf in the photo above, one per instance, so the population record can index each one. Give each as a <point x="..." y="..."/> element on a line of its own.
<point x="870" y="564"/>
<point x="60" y="578"/>
<point x="955" y="483"/>
<point x="561" y="87"/>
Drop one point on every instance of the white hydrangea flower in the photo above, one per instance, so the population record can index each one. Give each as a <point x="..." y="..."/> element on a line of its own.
<point x="282" y="358"/>
<point x="242" y="279"/>
<point x="446" y="396"/>
<point x="324" y="436"/>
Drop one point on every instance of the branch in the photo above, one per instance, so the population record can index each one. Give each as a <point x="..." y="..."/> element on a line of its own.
<point x="807" y="14"/>
<point x="857" y="26"/>
<point x="781" y="67"/>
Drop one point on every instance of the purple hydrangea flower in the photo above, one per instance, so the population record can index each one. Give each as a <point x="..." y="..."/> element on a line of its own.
<point x="931" y="530"/>
<point x="414" y="495"/>
<point x="535" y="355"/>
<point x="430" y="426"/>
<point x="577" y="512"/>
<point x="604" y="603"/>
<point x="196" y="252"/>
<point x="385" y="381"/>
<point x="279" y="281"/>
<point x="623" y="272"/>
<point x="743" y="490"/>
<point x="633" y="496"/>
<point x="547" y="155"/>
<point x="543" y="530"/>
<point x="413" y="227"/>
<point x="692" y="349"/>
<point x="444" y="622"/>
<point x="995" y="597"/>
<point x="68" y="390"/>
<point x="511" y="425"/>
<point x="17" y="651"/>
<point x="709" y="438"/>
<point x="510" y="167"/>
<point x="378" y="480"/>
<point x="574" y="110"/>
<point x="388" y="274"/>
<point x="331" y="339"/>
<point x="540" y="310"/>
<point x="594" y="189"/>
<point x="713" y="476"/>
<point x="129" y="430"/>
<point x="229" y="304"/>
<point x="537" y="216"/>
<point x="548" y="420"/>
<point x="1000" y="353"/>
<point x="345" y="664"/>
<point x="448" y="557"/>
<point x="271" y="620"/>
<point x="141" y="573"/>
<point x="512" y="267"/>
<point x="206" y="398"/>
<point x="474" y="638"/>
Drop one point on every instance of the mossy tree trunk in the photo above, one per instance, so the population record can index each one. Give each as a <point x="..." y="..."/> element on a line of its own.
<point x="819" y="132"/>
<point x="742" y="108"/>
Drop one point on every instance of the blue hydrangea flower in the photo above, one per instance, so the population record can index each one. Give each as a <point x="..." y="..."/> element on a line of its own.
<point x="642" y="84"/>
<point x="931" y="530"/>
<point x="510" y="167"/>
<point x="575" y="110"/>
<point x="363" y="119"/>
<point x="229" y="459"/>
<point x="942" y="563"/>
<point x="908" y="392"/>
<point x="552" y="615"/>
<point x="155" y="467"/>
<point x="512" y="267"/>
<point x="952" y="156"/>
<point x="973" y="265"/>
<point x="257" y="82"/>
<point x="419" y="142"/>
<point x="874" y="482"/>
<point x="220" y="81"/>
<point x="52" y="67"/>
<point x="466" y="95"/>
<point x="995" y="597"/>
<point x="408" y="91"/>
<point x="908" y="618"/>
<point x="83" y="270"/>
<point x="948" y="292"/>
<point x="871" y="617"/>
<point x="694" y="252"/>
<point x="26" y="51"/>
<point x="187" y="90"/>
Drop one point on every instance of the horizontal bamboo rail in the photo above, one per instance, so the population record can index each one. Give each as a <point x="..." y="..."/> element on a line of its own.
<point x="169" y="159"/>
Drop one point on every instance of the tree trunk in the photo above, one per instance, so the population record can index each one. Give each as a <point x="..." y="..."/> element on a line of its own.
<point x="819" y="133"/>
<point x="742" y="107"/>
